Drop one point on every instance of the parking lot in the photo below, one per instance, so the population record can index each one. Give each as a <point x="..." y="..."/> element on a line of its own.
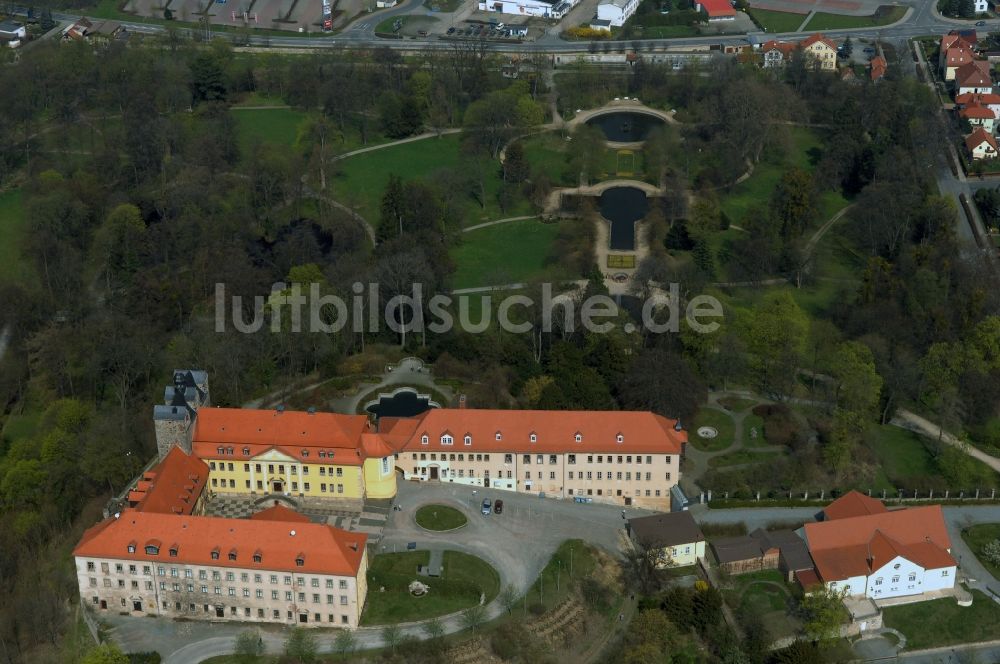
<point x="291" y="15"/>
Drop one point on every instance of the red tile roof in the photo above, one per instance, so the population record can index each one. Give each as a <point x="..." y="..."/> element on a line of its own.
<point x="975" y="74"/>
<point x="953" y="38"/>
<point x="279" y="512"/>
<point x="173" y="486"/>
<point x="818" y="37"/>
<point x="853" y="504"/>
<point x="554" y="431"/>
<point x="717" y="8"/>
<point x="297" y="434"/>
<point x="958" y="56"/>
<point x="976" y="138"/>
<point x="786" y="48"/>
<point x="877" y="67"/>
<point x="322" y="549"/>
<point x="977" y="98"/>
<point x="976" y="113"/>
<point x="859" y="545"/>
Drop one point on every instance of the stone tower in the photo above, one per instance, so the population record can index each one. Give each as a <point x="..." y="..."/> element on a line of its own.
<point x="174" y="420"/>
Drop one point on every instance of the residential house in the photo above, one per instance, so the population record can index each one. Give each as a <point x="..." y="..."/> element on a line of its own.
<point x="981" y="144"/>
<point x="956" y="49"/>
<point x="982" y="6"/>
<point x="675" y="538"/>
<point x="821" y="51"/>
<point x="78" y="31"/>
<point x="716" y="10"/>
<point x="978" y="116"/>
<point x="540" y="8"/>
<point x="12" y="33"/>
<point x="883" y="554"/>
<point x="877" y="68"/>
<point x="989" y="100"/>
<point x="973" y="77"/>
<point x="616" y="12"/>
<point x="851" y="504"/>
<point x="778" y="549"/>
<point x="777" y="53"/>
<point x="600" y="24"/>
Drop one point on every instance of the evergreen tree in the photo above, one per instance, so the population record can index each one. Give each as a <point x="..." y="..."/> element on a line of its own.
<point x="47" y="22"/>
<point x="704" y="258"/>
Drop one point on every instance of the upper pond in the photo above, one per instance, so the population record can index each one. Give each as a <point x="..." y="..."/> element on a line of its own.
<point x="625" y="127"/>
<point x="405" y="403"/>
<point x="623" y="206"/>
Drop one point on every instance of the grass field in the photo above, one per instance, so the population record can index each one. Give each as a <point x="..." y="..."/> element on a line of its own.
<point x="902" y="453"/>
<point x="773" y="21"/>
<point x="280" y="126"/>
<point x="723" y="423"/>
<point x="440" y="517"/>
<point x="977" y="537"/>
<point x="546" y="153"/>
<point x="13" y="224"/>
<point x="507" y="253"/>
<point x="756" y="190"/>
<point x="463" y="579"/>
<point x="766" y="594"/>
<point x="363" y="178"/>
<point x="942" y="622"/>
<point x="572" y="561"/>
<point x="826" y="21"/>
<point x="669" y="31"/>
<point x="750" y="422"/>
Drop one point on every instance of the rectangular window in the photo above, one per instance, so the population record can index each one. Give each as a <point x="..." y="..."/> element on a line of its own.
<point x="572" y="458"/>
<point x="526" y="459"/>
<point x="343" y="600"/>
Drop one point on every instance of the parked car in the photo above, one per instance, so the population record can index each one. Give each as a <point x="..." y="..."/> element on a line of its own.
<point x="487" y="507"/>
<point x="451" y="30"/>
<point x="869" y="50"/>
<point x="498" y="507"/>
<point x="980" y="24"/>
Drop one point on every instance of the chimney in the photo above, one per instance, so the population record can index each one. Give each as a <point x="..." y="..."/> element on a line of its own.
<point x="311" y="410"/>
<point x="461" y="401"/>
<point x="280" y="409"/>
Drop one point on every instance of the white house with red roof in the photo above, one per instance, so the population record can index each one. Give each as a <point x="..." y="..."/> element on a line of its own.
<point x="717" y="10"/>
<point x="981" y="144"/>
<point x="973" y="77"/>
<point x="989" y="100"/>
<point x="863" y="549"/>
<point x="956" y="49"/>
<point x="777" y="53"/>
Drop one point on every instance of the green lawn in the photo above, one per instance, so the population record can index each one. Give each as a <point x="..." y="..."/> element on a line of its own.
<point x="736" y="404"/>
<point x="363" y="178"/>
<point x="572" y="561"/>
<point x="507" y="253"/>
<point x="977" y="537"/>
<point x="280" y="126"/>
<point x="669" y="31"/>
<point x="13" y="223"/>
<point x="463" y="579"/>
<point x="826" y="21"/>
<point x="440" y="517"/>
<point x="442" y="5"/>
<point x="756" y="189"/>
<point x="942" y="622"/>
<point x="902" y="453"/>
<point x="773" y="21"/>
<point x="546" y="153"/>
<point x="723" y="423"/>
<point x="742" y="456"/>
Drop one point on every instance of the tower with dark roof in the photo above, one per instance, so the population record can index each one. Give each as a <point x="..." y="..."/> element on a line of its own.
<point x="173" y="420"/>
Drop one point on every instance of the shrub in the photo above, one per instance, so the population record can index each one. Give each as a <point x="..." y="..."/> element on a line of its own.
<point x="585" y="32"/>
<point x="991" y="552"/>
<point x="537" y="609"/>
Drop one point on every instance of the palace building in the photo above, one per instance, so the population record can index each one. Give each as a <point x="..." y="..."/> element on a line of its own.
<point x="627" y="458"/>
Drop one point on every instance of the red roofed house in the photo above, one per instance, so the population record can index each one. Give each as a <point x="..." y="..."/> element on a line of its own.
<point x="978" y="116"/>
<point x="989" y="100"/>
<point x="981" y="144"/>
<point x="777" y="53"/>
<point x="821" y="50"/>
<point x="956" y="49"/>
<point x="174" y="486"/>
<point x="210" y="568"/>
<point x="626" y="458"/>
<point x="973" y="77"/>
<point x="863" y="550"/>
<point x="717" y="10"/>
<point x="853" y="504"/>
<point x="877" y="68"/>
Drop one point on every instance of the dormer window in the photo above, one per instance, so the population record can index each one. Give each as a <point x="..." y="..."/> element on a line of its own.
<point x="305" y="453"/>
<point x="322" y="454"/>
<point x="446" y="439"/>
<point x="300" y="560"/>
<point x="533" y="437"/>
<point x="329" y="454"/>
<point x="221" y="450"/>
<point x="215" y="553"/>
<point x="620" y="439"/>
<point x="173" y="551"/>
<point x="499" y="436"/>
<point x="468" y="439"/>
<point x="258" y="556"/>
<point x="578" y="437"/>
<point x="424" y="439"/>
<point x="152" y="548"/>
<point x="229" y="451"/>
<point x="232" y="554"/>
<point x="246" y="451"/>
<point x="131" y="547"/>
